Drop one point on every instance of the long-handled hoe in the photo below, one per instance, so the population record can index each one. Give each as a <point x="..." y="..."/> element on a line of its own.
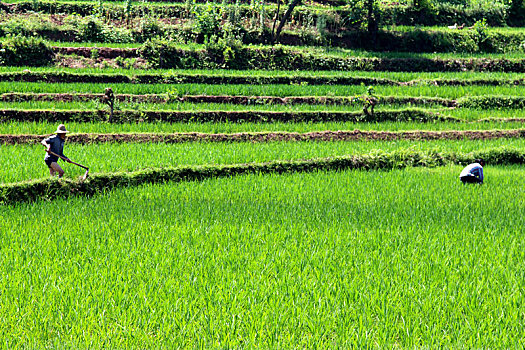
<point x="83" y="178"/>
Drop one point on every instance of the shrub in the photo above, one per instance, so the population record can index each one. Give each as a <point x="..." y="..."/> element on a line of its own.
<point x="23" y="51"/>
<point x="90" y="29"/>
<point x="226" y="51"/>
<point x="164" y="54"/>
<point x="30" y="25"/>
<point x="207" y="19"/>
<point x="492" y="102"/>
<point x="93" y="29"/>
<point x="148" y="28"/>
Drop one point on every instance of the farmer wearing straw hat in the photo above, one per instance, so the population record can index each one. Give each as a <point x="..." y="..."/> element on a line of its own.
<point x="55" y="144"/>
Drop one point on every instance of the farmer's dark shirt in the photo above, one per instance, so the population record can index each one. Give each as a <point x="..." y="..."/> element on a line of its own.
<point x="57" y="146"/>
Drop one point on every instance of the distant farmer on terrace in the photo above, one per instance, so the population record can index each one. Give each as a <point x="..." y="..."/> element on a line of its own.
<point x="55" y="144"/>
<point x="473" y="173"/>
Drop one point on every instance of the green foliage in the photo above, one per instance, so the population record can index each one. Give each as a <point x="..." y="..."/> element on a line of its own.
<point x="516" y="13"/>
<point x="23" y="51"/>
<point x="148" y="28"/>
<point x="233" y="116"/>
<point x="164" y="54"/>
<point x="126" y="63"/>
<point x="226" y="50"/>
<point x="445" y="14"/>
<point x="476" y="40"/>
<point x="492" y="102"/>
<point x="30" y="25"/>
<point x="128" y="9"/>
<point x="207" y="19"/>
<point x="350" y="16"/>
<point x="93" y="29"/>
<point x="377" y="160"/>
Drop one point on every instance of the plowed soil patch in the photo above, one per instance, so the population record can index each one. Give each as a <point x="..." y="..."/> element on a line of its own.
<point x="355" y="135"/>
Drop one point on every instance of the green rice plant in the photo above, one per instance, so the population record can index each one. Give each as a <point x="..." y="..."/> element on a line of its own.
<point x="99" y="183"/>
<point x="205" y="113"/>
<point x="280" y="90"/>
<point x="263" y="137"/>
<point x="398" y="76"/>
<point x="239" y="116"/>
<point x="405" y="258"/>
<point x="24" y="162"/>
<point x="43" y="128"/>
<point x="481" y="114"/>
<point x="181" y="106"/>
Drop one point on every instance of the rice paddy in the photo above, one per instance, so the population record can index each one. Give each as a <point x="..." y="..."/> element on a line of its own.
<point x="46" y="128"/>
<point x="402" y="256"/>
<point x="279" y="90"/>
<point x="23" y="162"/>
<point x="304" y="260"/>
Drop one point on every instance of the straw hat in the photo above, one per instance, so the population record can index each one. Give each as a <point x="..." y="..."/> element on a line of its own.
<point x="61" y="129"/>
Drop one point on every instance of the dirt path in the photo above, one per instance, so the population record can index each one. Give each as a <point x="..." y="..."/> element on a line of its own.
<point x="355" y="135"/>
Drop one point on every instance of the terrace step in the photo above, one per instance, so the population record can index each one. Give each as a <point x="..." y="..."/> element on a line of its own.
<point x="100" y="183"/>
<point x="237" y="100"/>
<point x="133" y="116"/>
<point x="220" y="79"/>
<point x="282" y="58"/>
<point x="341" y="135"/>
<point x="104" y="52"/>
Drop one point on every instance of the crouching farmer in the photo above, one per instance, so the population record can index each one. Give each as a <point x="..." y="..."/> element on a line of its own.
<point x="473" y="173"/>
<point x="55" y="144"/>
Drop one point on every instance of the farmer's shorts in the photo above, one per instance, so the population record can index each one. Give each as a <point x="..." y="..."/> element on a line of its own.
<point x="470" y="180"/>
<point x="49" y="161"/>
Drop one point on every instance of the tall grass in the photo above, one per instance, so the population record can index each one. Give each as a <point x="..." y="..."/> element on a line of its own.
<point x="43" y="128"/>
<point x="179" y="106"/>
<point x="281" y="90"/>
<point x="24" y="162"/>
<point x="405" y="259"/>
<point x="400" y="76"/>
<point x="464" y="114"/>
<point x="478" y="114"/>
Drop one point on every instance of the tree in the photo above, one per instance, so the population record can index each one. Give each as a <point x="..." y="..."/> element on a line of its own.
<point x="372" y="16"/>
<point x="516" y="16"/>
<point x="287" y="14"/>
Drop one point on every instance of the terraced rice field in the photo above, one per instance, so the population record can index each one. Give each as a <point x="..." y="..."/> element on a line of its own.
<point x="263" y="208"/>
<point x="324" y="259"/>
